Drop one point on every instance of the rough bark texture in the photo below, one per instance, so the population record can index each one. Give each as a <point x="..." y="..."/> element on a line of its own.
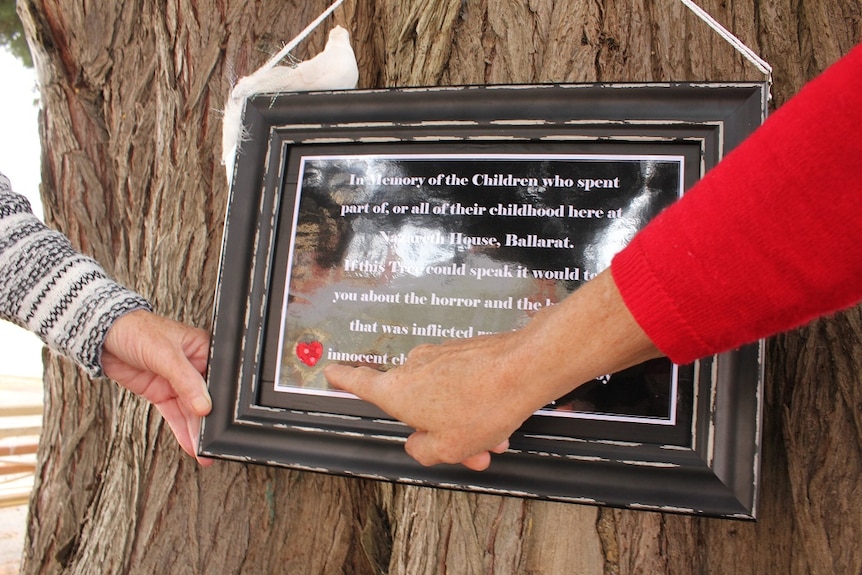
<point x="131" y="93"/>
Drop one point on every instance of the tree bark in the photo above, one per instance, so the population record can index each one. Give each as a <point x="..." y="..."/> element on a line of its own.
<point x="131" y="93"/>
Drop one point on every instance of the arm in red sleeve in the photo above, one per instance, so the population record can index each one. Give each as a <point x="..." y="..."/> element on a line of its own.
<point x="769" y="239"/>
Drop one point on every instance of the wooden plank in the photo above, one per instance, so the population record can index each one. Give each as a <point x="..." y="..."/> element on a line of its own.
<point x="19" y="431"/>
<point x="20" y="410"/>
<point x="20" y="426"/>
<point x="24" y="445"/>
<point x="15" y="498"/>
<point x="16" y="491"/>
<point x="11" y="468"/>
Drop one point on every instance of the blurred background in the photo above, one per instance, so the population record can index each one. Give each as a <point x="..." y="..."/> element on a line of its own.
<point x="20" y="351"/>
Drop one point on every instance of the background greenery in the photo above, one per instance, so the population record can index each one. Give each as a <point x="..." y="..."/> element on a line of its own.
<point x="12" y="33"/>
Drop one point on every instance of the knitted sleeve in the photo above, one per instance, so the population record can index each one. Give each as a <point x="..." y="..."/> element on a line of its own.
<point x="768" y="240"/>
<point x="50" y="289"/>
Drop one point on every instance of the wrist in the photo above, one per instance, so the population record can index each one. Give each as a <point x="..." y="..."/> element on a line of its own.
<point x="589" y="334"/>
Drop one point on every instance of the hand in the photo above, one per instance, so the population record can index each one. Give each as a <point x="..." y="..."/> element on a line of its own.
<point x="163" y="361"/>
<point x="466" y="397"/>
<point x="453" y="394"/>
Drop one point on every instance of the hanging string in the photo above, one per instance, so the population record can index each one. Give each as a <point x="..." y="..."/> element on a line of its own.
<point x="333" y="69"/>
<point x="738" y="44"/>
<point x="299" y="38"/>
<point x="707" y="18"/>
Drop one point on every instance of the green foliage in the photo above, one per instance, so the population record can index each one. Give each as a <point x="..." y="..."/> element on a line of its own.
<point x="12" y="33"/>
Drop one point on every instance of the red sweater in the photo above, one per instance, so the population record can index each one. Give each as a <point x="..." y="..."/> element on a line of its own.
<point x="768" y="240"/>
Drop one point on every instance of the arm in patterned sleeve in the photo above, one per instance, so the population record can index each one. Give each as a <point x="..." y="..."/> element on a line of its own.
<point x="66" y="299"/>
<point x="47" y="287"/>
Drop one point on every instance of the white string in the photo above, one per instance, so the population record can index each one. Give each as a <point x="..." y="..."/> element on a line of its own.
<point x="299" y="38"/>
<point x="738" y="44"/>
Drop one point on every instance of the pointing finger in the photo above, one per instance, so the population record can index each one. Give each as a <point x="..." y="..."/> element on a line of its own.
<point x="363" y="382"/>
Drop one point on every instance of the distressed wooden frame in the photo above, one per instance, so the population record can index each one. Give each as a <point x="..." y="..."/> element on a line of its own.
<point x="710" y="467"/>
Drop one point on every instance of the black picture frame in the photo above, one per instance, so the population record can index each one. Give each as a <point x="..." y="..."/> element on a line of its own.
<point x="699" y="456"/>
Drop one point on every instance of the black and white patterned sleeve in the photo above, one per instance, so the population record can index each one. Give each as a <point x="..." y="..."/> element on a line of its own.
<point x="47" y="287"/>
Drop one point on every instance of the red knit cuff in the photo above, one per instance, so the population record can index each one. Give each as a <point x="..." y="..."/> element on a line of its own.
<point x="652" y="308"/>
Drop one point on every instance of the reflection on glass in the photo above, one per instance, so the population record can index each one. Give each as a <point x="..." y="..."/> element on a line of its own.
<point x="391" y="251"/>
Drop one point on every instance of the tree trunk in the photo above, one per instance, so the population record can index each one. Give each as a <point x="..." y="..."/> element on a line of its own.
<point x="131" y="93"/>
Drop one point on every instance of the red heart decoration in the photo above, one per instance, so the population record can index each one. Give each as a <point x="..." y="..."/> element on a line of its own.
<point x="309" y="352"/>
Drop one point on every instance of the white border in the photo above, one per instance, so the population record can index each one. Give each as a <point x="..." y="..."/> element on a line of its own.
<point x="473" y="158"/>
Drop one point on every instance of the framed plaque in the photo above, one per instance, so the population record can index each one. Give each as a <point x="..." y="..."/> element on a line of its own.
<point x="363" y="223"/>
